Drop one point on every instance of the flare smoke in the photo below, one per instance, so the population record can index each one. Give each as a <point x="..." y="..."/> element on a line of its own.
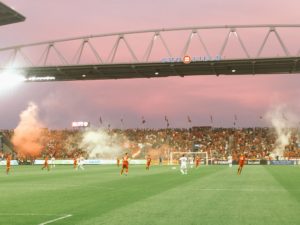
<point x="99" y="144"/>
<point x="27" y="135"/>
<point x="282" y="120"/>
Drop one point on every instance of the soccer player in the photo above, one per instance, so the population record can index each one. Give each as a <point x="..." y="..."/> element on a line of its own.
<point x="125" y="164"/>
<point x="46" y="165"/>
<point x="160" y="160"/>
<point x="52" y="161"/>
<point x="75" y="163"/>
<point x="229" y="158"/>
<point x="8" y="158"/>
<point x="191" y="161"/>
<point x="198" y="160"/>
<point x="80" y="163"/>
<point x="241" y="163"/>
<point x="183" y="161"/>
<point x="118" y="162"/>
<point x="148" y="161"/>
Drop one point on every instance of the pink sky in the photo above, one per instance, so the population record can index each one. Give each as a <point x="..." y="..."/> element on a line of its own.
<point x="199" y="97"/>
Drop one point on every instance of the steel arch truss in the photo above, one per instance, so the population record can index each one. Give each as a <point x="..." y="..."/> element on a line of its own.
<point x="131" y="52"/>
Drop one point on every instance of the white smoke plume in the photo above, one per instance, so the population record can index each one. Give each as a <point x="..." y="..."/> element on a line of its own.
<point x="27" y="134"/>
<point x="99" y="144"/>
<point x="283" y="120"/>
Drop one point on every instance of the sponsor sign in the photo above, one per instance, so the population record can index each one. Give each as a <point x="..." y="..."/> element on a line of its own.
<point x="188" y="59"/>
<point x="281" y="162"/>
<point x="220" y="162"/>
<point x="90" y="162"/>
<point x="12" y="162"/>
<point x="253" y="162"/>
<point x="137" y="161"/>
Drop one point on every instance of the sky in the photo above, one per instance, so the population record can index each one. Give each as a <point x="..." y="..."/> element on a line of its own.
<point x="199" y="97"/>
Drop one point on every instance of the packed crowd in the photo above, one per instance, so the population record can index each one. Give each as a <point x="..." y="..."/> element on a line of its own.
<point x="257" y="143"/>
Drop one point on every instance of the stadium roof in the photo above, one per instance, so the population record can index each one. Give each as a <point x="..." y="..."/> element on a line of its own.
<point x="284" y="65"/>
<point x="9" y="15"/>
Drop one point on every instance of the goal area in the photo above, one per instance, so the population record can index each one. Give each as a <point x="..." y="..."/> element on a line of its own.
<point x="174" y="157"/>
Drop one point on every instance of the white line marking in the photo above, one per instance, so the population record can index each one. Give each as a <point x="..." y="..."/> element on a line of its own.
<point x="247" y="190"/>
<point x="51" y="221"/>
<point x="26" y="214"/>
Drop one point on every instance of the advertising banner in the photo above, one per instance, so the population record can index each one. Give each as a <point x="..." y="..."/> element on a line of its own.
<point x="220" y="162"/>
<point x="253" y="162"/>
<point x="282" y="162"/>
<point x="12" y="162"/>
<point x="90" y="162"/>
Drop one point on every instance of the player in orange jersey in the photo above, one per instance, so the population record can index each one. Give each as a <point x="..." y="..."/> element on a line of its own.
<point x="75" y="163"/>
<point x="125" y="164"/>
<point x="46" y="165"/>
<point x="241" y="163"/>
<point x="8" y="159"/>
<point x="198" y="160"/>
<point x="118" y="162"/>
<point x="148" y="161"/>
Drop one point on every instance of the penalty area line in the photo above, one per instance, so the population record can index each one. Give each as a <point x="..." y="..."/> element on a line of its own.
<point x="54" y="220"/>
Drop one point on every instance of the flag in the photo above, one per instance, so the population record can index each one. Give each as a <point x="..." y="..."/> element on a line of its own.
<point x="261" y="117"/>
<point x="189" y="119"/>
<point x="100" y="120"/>
<point x="143" y="120"/>
<point x="166" y="119"/>
<point x="235" y="117"/>
<point x="284" y="117"/>
<point x="122" y="120"/>
<point x="211" y="119"/>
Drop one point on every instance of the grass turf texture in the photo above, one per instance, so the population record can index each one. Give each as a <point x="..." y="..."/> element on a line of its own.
<point x="99" y="195"/>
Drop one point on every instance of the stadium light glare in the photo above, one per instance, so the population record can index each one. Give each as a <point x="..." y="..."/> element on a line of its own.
<point x="47" y="78"/>
<point x="10" y="78"/>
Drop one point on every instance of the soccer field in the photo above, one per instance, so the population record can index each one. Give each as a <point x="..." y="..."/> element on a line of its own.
<point x="99" y="195"/>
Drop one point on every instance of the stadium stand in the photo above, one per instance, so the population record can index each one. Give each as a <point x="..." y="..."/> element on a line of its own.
<point x="258" y="143"/>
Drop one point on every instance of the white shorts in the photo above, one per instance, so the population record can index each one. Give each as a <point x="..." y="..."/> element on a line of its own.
<point x="183" y="166"/>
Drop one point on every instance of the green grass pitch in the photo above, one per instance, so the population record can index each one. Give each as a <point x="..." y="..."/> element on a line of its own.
<point x="99" y="195"/>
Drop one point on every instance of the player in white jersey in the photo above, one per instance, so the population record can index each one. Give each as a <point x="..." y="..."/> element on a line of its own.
<point x="80" y="163"/>
<point x="52" y="161"/>
<point x="183" y="164"/>
<point x="229" y="158"/>
<point x="191" y="161"/>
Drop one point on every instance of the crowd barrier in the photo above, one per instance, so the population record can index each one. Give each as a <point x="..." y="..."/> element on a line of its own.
<point x="91" y="162"/>
<point x="257" y="162"/>
<point x="12" y="162"/>
<point x="143" y="161"/>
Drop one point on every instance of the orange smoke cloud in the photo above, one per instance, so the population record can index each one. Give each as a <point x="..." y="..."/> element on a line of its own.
<point x="27" y="135"/>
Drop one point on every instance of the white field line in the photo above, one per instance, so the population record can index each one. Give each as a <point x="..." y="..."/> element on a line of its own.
<point x="60" y="218"/>
<point x="26" y="214"/>
<point x="246" y="190"/>
<point x="68" y="186"/>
